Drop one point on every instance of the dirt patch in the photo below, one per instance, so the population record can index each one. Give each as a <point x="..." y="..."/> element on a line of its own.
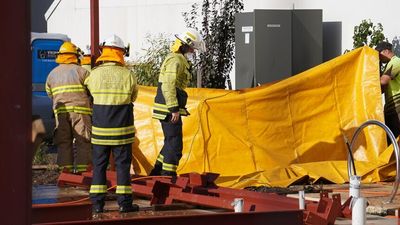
<point x="45" y="176"/>
<point x="288" y="190"/>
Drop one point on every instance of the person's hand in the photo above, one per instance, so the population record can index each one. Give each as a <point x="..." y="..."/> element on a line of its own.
<point x="175" y="117"/>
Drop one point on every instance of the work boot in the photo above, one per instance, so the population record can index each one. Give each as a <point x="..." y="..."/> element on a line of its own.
<point x="129" y="208"/>
<point x="156" y="171"/>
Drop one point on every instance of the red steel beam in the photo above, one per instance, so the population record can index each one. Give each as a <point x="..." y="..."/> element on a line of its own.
<point x="16" y="122"/>
<point x="94" y="30"/>
<point x="294" y="217"/>
<point x="50" y="213"/>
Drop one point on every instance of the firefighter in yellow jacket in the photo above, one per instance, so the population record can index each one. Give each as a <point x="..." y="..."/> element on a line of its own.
<point x="72" y="109"/>
<point x="114" y="89"/>
<point x="170" y="100"/>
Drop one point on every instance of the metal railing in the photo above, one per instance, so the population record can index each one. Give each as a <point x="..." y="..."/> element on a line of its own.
<point x="350" y="159"/>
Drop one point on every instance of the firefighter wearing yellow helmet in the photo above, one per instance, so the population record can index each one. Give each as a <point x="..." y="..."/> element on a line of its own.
<point x="170" y="100"/>
<point x="72" y="109"/>
<point x="114" y="89"/>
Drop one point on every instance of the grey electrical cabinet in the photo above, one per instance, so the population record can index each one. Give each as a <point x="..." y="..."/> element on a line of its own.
<point x="271" y="45"/>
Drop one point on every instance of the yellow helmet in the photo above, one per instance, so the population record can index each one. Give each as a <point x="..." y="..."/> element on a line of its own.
<point x="68" y="48"/>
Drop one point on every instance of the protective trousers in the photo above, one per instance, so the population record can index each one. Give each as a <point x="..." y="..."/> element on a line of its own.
<point x="72" y="125"/>
<point x="392" y="120"/>
<point x="123" y="156"/>
<point x="168" y="159"/>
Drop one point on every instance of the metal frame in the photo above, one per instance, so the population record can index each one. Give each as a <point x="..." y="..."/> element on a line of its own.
<point x="350" y="162"/>
<point x="15" y="98"/>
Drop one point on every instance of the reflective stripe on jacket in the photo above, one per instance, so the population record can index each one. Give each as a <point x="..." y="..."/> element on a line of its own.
<point x="113" y="88"/>
<point x="174" y="78"/>
<point x="65" y="87"/>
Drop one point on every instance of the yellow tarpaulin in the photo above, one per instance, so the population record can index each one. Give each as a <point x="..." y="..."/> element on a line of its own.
<point x="280" y="133"/>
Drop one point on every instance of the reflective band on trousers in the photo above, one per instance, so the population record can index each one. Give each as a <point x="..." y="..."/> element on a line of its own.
<point x="160" y="158"/>
<point x="97" y="141"/>
<point x="123" y="189"/>
<point x="100" y="131"/>
<point x="75" y="109"/>
<point x="81" y="168"/>
<point x="169" y="167"/>
<point x="164" y="108"/>
<point x="98" y="189"/>
<point x="67" y="88"/>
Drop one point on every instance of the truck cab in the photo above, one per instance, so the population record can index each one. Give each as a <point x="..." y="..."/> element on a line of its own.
<point x="44" y="47"/>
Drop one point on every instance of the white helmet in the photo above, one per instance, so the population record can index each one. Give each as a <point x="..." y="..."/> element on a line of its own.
<point x="113" y="41"/>
<point x="192" y="38"/>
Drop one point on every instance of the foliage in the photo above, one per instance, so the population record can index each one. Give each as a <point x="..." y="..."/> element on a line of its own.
<point x="41" y="156"/>
<point x="218" y="31"/>
<point x="147" y="67"/>
<point x="368" y="34"/>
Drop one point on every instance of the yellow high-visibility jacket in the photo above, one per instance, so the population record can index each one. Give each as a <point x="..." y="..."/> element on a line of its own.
<point x="65" y="87"/>
<point x="174" y="78"/>
<point x="114" y="89"/>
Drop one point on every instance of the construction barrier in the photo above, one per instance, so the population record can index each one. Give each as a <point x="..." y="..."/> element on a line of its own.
<point x="280" y="133"/>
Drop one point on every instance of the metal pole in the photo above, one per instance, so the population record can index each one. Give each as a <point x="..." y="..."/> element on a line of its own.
<point x="238" y="204"/>
<point x="359" y="216"/>
<point x="94" y="30"/>
<point x="302" y="204"/>
<point x="396" y="151"/>
<point x="16" y="113"/>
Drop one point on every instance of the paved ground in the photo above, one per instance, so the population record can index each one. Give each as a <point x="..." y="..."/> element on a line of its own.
<point x="379" y="211"/>
<point x="377" y="195"/>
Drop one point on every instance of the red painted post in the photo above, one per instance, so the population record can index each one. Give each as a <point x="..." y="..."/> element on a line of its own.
<point x="16" y="118"/>
<point x="94" y="30"/>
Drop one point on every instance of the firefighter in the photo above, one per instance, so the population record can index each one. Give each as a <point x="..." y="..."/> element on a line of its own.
<point x="72" y="109"/>
<point x="170" y="100"/>
<point x="86" y="61"/>
<point x="113" y="88"/>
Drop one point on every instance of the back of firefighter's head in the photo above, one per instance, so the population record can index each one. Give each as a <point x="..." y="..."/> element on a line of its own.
<point x="68" y="54"/>
<point x="87" y="56"/>
<point x="188" y="41"/>
<point x="385" y="51"/>
<point x="112" y="50"/>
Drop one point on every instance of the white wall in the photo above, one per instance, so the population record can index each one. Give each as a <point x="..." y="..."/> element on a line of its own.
<point x="129" y="19"/>
<point x="133" y="19"/>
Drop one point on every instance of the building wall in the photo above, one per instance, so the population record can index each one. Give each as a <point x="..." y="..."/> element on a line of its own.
<point x="38" y="9"/>
<point x="132" y="20"/>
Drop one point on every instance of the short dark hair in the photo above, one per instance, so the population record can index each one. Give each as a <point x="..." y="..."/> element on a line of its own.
<point x="383" y="46"/>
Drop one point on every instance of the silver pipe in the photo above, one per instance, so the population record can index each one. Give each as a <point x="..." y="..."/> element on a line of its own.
<point x="396" y="151"/>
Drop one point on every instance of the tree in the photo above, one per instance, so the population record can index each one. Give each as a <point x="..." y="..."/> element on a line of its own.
<point x="368" y="34"/>
<point x="147" y="67"/>
<point x="218" y="31"/>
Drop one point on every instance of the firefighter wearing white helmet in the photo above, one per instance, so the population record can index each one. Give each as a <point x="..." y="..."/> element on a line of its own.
<point x="114" y="89"/>
<point x="171" y="98"/>
<point x="72" y="109"/>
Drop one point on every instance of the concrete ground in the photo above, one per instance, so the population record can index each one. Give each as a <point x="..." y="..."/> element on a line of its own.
<point x="377" y="195"/>
<point x="379" y="211"/>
